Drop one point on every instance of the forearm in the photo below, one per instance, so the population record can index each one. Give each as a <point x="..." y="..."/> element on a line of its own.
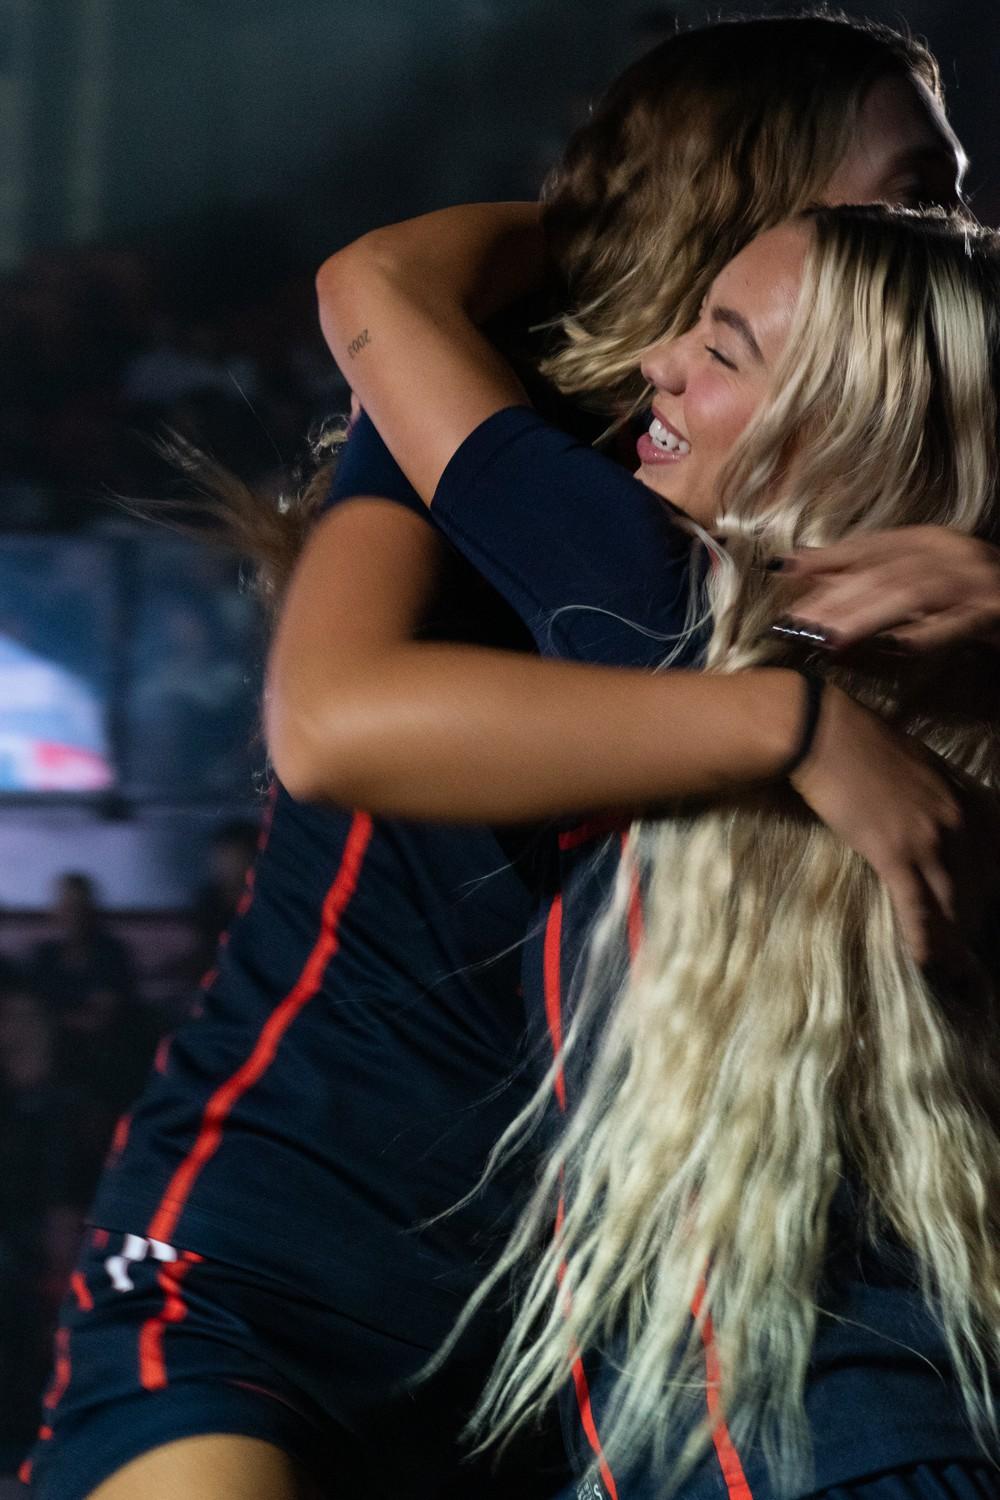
<point x="399" y="309"/>
<point x="479" y="257"/>
<point x="461" y="734"/>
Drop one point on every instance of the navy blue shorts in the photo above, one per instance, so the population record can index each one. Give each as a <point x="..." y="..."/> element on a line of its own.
<point x="157" y="1343"/>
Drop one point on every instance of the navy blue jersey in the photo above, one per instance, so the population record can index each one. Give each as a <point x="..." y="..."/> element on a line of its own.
<point x="357" y="1050"/>
<point x="592" y="561"/>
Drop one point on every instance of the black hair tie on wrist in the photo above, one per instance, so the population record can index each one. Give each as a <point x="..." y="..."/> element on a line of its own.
<point x="810" y="721"/>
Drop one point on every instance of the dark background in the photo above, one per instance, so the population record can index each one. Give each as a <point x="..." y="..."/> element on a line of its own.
<point x="317" y="119"/>
<point x="170" y="177"/>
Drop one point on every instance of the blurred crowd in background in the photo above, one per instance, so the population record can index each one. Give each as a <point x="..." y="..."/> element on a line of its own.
<point x="85" y="999"/>
<point x="107" y="346"/>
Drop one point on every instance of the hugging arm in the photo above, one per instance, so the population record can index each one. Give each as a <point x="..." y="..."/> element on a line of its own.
<point x="400" y="310"/>
<point x="361" y="712"/>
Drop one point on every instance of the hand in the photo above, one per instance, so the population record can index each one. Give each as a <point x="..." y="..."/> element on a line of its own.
<point x="881" y="793"/>
<point x="926" y="586"/>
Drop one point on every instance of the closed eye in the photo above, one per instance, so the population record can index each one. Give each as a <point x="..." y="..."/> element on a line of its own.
<point x="718" y="355"/>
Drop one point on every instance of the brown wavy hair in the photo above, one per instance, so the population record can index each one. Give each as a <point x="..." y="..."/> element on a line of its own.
<point x="707" y="140"/>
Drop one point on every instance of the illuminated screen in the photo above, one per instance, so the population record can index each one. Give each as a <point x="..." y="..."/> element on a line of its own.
<point x="56" y="651"/>
<point x="130" y="663"/>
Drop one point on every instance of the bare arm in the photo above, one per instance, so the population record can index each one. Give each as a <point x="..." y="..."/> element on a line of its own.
<point x="363" y="713"/>
<point x="399" y="310"/>
<point x="360" y="713"/>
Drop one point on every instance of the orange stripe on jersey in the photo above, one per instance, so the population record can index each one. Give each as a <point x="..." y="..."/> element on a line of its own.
<point x="246" y="895"/>
<point x="152" y="1366"/>
<point x="553" y="1013"/>
<point x="120" y="1138"/>
<point x="635" y="917"/>
<point x="251" y="875"/>
<point x="590" y="1426"/>
<point x="580" y="1384"/>
<point x="553" y="991"/>
<point x="61" y="1373"/>
<point x="81" y="1292"/>
<point x="595" y="828"/>
<point x="222" y="1102"/>
<point x="729" y="1460"/>
<point x="62" y="1370"/>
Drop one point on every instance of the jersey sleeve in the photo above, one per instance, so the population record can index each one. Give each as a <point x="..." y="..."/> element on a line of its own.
<point x="590" y="559"/>
<point x="366" y="467"/>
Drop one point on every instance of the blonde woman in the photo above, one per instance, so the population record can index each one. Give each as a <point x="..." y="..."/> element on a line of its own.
<point x="772" y="1119"/>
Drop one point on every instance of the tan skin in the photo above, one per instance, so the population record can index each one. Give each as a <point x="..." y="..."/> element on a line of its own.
<point x="212" y="1467"/>
<point x="708" y="383"/>
<point x="346" y="675"/>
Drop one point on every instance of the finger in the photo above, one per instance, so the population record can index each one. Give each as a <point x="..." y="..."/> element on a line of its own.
<point x="941" y="886"/>
<point x="852" y="552"/>
<point x="856" y="612"/>
<point x="944" y="628"/>
<point x="910" y="902"/>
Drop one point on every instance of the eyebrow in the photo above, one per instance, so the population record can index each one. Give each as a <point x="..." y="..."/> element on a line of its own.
<point x="738" y="323"/>
<point x="940" y="154"/>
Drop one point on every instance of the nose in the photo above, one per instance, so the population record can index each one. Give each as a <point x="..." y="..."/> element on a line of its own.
<point x="664" y="365"/>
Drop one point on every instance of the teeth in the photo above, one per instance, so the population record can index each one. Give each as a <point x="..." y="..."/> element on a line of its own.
<point x="667" y="440"/>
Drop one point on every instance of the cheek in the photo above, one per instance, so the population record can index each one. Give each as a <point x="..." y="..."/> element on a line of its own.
<point x="715" y="413"/>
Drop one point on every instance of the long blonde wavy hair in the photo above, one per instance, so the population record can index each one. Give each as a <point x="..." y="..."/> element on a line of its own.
<point x="773" y="1035"/>
<point x="705" y="141"/>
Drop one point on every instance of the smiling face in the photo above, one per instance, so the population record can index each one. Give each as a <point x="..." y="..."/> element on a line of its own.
<point x="708" y="383"/>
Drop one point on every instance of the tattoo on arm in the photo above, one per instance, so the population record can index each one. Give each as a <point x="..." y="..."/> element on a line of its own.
<point x="361" y="342"/>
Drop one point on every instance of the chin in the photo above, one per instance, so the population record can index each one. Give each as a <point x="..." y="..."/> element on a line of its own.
<point x="656" y="479"/>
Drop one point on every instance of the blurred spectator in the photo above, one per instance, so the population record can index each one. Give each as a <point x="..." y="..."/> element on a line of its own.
<point x="52" y="1141"/>
<point x="83" y="970"/>
<point x="86" y="977"/>
<point x="105" y="345"/>
<point x="232" y="850"/>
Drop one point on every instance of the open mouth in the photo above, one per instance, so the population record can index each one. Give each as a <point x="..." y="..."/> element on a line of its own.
<point x="667" y="439"/>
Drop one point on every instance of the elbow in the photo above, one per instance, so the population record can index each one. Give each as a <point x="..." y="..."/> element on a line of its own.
<point x="329" y="276"/>
<point x="297" y="775"/>
<point x="332" y="292"/>
<point x="296" y="768"/>
<point x="307" y="763"/>
<point x="343" y="275"/>
<point x="327" y="753"/>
